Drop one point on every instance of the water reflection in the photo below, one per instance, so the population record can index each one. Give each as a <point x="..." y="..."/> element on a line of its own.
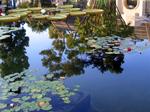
<point x="13" y="54"/>
<point x="37" y="25"/>
<point x="110" y="63"/>
<point x="68" y="56"/>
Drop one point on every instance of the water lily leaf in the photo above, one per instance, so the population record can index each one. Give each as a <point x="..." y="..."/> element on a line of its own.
<point x="15" y="99"/>
<point x="49" y="107"/>
<point x="2" y="105"/>
<point x="8" y="18"/>
<point x="37" y="96"/>
<point x="25" y="98"/>
<point x="7" y="111"/>
<point x="76" y="89"/>
<point x="77" y="13"/>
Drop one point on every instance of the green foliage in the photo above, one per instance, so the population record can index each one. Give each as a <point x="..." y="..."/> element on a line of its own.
<point x="24" y="5"/>
<point x="34" y="92"/>
<point x="101" y="3"/>
<point x="92" y="25"/>
<point x="13" y="53"/>
<point x="37" y="25"/>
<point x="105" y="24"/>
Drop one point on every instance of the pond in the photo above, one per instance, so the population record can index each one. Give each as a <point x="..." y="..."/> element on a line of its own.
<point x="113" y="83"/>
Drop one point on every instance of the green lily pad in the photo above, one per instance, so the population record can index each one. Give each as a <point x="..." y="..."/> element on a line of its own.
<point x="16" y="100"/>
<point x="76" y="89"/>
<point x="7" y="111"/>
<point x="57" y="17"/>
<point x="39" y="16"/>
<point x="67" y="101"/>
<point x="19" y="14"/>
<point x="50" y="9"/>
<point x="9" y="18"/>
<point x="17" y="10"/>
<point x="109" y="53"/>
<point x="25" y="98"/>
<point x="77" y="13"/>
<point x="2" y="105"/>
<point x="116" y="52"/>
<point x="35" y="90"/>
<point x="35" y="9"/>
<point x="70" y="10"/>
<point x="93" y="11"/>
<point x="37" y="96"/>
<point x="49" y="76"/>
<point x="49" y="107"/>
<point x="75" y="9"/>
<point x="65" y="6"/>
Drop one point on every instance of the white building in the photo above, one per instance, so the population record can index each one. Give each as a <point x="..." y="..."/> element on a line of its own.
<point x="134" y="11"/>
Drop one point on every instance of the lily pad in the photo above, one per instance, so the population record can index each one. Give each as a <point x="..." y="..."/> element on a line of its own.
<point x="37" y="96"/>
<point x="25" y="98"/>
<point x="77" y="13"/>
<point x="39" y="16"/>
<point x="16" y="100"/>
<point x="2" y="105"/>
<point x="57" y="17"/>
<point x="70" y="10"/>
<point x="34" y="92"/>
<point x="35" y="9"/>
<point x="65" y="6"/>
<point x="9" y="18"/>
<point x="17" y="10"/>
<point x="50" y="9"/>
<point x="20" y="14"/>
<point x="93" y="11"/>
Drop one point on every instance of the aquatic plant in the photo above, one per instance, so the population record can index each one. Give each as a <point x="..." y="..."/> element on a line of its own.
<point x="104" y="24"/>
<point x="67" y="57"/>
<point x="35" y="93"/>
<point x="24" y="5"/>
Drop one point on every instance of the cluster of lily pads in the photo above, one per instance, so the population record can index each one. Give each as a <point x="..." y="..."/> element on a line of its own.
<point x="53" y="13"/>
<point x="26" y="92"/>
<point x="5" y="32"/>
<point x="116" y="45"/>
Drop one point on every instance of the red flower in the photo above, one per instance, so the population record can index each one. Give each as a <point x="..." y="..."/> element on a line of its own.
<point x="129" y="49"/>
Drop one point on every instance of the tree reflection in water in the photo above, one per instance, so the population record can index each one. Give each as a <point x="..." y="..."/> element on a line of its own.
<point x="63" y="59"/>
<point x="69" y="56"/>
<point x="37" y="25"/>
<point x="12" y="54"/>
<point x="105" y="63"/>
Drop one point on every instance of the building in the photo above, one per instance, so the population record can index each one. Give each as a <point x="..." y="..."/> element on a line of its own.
<point x="134" y="12"/>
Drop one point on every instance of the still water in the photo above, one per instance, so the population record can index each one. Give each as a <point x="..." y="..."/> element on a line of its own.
<point x="103" y="87"/>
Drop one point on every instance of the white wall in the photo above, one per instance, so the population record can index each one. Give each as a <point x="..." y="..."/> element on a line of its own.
<point x="129" y="15"/>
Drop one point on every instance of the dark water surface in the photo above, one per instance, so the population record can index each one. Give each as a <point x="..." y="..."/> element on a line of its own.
<point x="122" y="89"/>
